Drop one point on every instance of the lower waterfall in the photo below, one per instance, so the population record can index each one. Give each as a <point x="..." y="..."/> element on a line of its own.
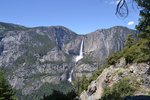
<point x="70" y="76"/>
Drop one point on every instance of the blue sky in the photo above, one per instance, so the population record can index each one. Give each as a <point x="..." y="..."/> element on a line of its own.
<point x="81" y="16"/>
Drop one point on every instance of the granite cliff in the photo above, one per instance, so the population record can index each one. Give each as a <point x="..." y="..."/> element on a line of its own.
<point x="33" y="58"/>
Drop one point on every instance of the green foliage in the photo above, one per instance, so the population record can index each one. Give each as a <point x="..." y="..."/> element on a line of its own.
<point x="97" y="73"/>
<point x="144" y="21"/>
<point x="9" y="26"/>
<point x="87" y="60"/>
<point x="27" y="58"/>
<point x="130" y="41"/>
<point x="114" y="58"/>
<point x="85" y="83"/>
<point x="81" y="84"/>
<point x="149" y="93"/>
<point x="121" y="89"/>
<point x="45" y="90"/>
<point x="56" y="95"/>
<point x="46" y="44"/>
<point x="6" y="92"/>
<point x="133" y="52"/>
<point x="139" y="52"/>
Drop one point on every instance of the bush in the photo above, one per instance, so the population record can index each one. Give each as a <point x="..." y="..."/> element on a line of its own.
<point x="121" y="89"/>
<point x="114" y="57"/>
<point x="140" y="52"/>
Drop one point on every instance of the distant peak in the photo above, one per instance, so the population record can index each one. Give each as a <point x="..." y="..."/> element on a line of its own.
<point x="123" y="27"/>
<point x="115" y="27"/>
<point x="11" y="26"/>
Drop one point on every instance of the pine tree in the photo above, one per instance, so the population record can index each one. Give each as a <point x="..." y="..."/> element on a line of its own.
<point x="6" y="92"/>
<point x="144" y="21"/>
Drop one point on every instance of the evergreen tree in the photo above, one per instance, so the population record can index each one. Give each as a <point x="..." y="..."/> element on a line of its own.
<point x="57" y="95"/>
<point x="144" y="21"/>
<point x="6" y="92"/>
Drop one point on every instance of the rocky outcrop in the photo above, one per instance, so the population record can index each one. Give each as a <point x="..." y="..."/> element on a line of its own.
<point x="113" y="74"/>
<point x="39" y="55"/>
<point x="54" y="56"/>
<point x="95" y="89"/>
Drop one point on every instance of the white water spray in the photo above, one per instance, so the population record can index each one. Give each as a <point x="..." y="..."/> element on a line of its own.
<point x="70" y="76"/>
<point x="80" y="56"/>
<point x="77" y="58"/>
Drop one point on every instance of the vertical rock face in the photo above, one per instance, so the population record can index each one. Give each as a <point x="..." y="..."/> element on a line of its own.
<point x="102" y="43"/>
<point x="98" y="46"/>
<point x="35" y="56"/>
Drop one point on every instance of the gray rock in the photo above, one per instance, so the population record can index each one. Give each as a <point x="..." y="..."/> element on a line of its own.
<point x="121" y="62"/>
<point x="114" y="74"/>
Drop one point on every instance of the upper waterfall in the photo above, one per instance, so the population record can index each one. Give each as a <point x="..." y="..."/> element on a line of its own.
<point x="80" y="56"/>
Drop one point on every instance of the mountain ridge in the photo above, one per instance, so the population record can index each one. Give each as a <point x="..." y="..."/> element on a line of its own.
<point x="60" y="26"/>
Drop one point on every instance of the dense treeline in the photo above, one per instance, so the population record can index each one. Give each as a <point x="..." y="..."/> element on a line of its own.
<point x="46" y="90"/>
<point x="57" y="95"/>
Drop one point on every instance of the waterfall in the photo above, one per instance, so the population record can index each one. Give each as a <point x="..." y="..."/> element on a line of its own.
<point x="80" y="56"/>
<point x="70" y="76"/>
<point x="77" y="58"/>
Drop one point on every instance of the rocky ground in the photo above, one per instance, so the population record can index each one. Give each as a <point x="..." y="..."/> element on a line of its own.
<point x="139" y="73"/>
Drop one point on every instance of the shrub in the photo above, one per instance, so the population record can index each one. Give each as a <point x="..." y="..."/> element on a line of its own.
<point x="114" y="57"/>
<point x="121" y="89"/>
<point x="140" y="52"/>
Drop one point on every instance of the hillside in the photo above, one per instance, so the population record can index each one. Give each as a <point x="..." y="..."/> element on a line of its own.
<point x="119" y="80"/>
<point x="126" y="74"/>
<point x="40" y="59"/>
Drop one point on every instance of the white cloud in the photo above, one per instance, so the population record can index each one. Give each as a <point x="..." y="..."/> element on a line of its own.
<point x="110" y="2"/>
<point x="113" y="2"/>
<point x="117" y="1"/>
<point x="130" y="23"/>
